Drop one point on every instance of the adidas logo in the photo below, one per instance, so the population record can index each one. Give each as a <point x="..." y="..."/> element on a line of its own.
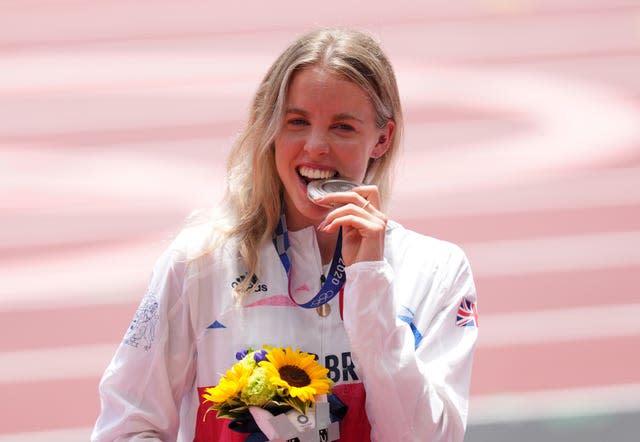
<point x="253" y="284"/>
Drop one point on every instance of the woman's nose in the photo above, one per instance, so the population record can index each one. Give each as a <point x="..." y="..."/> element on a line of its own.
<point x="317" y="142"/>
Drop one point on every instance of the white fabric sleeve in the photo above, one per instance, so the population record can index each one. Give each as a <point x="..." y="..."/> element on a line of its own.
<point x="142" y="388"/>
<point x="417" y="390"/>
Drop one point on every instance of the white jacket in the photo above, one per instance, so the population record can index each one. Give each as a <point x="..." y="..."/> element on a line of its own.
<point x="399" y="341"/>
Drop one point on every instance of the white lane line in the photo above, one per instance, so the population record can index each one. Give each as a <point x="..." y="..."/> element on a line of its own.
<point x="118" y="274"/>
<point x="600" y="189"/>
<point x="548" y="404"/>
<point x="239" y="74"/>
<point x="81" y="434"/>
<point x="580" y="323"/>
<point x="554" y="254"/>
<point x="89" y="178"/>
<point x="111" y="275"/>
<point x="496" y="330"/>
<point x="484" y="409"/>
<point x="55" y="364"/>
<point x="574" y="124"/>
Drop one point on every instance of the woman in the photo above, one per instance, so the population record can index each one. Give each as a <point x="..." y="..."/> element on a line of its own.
<point x="397" y="340"/>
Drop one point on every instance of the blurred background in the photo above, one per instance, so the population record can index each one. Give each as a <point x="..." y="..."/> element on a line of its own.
<point x="522" y="145"/>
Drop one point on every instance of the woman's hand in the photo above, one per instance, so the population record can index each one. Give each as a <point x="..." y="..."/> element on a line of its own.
<point x="363" y="225"/>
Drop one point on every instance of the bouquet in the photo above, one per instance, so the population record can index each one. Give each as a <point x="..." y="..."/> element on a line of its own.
<point x="272" y="378"/>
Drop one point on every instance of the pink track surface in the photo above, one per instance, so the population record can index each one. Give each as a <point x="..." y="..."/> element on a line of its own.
<point x="522" y="145"/>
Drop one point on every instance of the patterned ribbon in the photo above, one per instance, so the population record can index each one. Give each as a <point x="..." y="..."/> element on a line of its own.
<point x="335" y="279"/>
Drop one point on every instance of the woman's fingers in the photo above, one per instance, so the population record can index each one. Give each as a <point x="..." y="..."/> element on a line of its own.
<point x="364" y="225"/>
<point x="363" y="196"/>
<point x="357" y="219"/>
<point x="357" y="208"/>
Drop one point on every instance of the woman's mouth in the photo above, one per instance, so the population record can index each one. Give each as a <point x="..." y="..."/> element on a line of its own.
<point x="308" y="174"/>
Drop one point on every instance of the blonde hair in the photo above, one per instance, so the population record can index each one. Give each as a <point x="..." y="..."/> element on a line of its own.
<point x="254" y="190"/>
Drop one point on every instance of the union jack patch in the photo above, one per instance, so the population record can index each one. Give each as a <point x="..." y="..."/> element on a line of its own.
<point x="467" y="314"/>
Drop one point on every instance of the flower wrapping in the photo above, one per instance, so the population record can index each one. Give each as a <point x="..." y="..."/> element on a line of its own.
<point x="313" y="426"/>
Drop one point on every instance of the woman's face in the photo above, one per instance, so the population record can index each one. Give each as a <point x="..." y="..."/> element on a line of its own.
<point x="329" y="130"/>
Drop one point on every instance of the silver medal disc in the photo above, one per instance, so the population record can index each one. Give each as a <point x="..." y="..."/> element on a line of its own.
<point x="320" y="188"/>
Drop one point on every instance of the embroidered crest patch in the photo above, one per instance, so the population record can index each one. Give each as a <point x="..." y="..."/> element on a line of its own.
<point x="142" y="330"/>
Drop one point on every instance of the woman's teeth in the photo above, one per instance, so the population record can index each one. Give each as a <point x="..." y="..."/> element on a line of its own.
<point x="315" y="174"/>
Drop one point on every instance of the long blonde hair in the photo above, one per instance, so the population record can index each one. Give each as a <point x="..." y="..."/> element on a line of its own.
<point x="254" y="191"/>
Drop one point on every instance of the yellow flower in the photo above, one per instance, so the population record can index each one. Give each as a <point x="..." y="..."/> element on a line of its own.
<point x="230" y="384"/>
<point x="297" y="373"/>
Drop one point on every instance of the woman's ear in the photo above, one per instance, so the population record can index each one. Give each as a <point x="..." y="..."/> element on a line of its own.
<point x="384" y="140"/>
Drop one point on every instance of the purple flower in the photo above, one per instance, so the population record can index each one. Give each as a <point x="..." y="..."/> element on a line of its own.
<point x="260" y="356"/>
<point x="241" y="354"/>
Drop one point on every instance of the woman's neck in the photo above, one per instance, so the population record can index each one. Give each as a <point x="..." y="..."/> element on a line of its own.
<point x="326" y="241"/>
<point x="327" y="245"/>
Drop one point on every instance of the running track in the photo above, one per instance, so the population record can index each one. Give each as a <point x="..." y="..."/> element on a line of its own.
<point x="522" y="145"/>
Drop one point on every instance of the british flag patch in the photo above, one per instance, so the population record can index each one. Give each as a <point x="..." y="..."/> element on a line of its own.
<point x="467" y="314"/>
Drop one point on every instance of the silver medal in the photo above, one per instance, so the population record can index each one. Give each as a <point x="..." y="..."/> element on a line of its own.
<point x="320" y="188"/>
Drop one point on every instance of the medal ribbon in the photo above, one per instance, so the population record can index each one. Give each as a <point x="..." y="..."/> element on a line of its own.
<point x="335" y="279"/>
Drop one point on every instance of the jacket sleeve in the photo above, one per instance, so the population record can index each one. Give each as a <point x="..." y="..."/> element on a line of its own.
<point x="416" y="369"/>
<point x="142" y="388"/>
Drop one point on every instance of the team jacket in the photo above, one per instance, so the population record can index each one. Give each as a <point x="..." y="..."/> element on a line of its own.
<point x="400" y="356"/>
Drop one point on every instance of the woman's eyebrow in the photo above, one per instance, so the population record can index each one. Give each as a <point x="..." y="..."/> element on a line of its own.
<point x="347" y="116"/>
<point x="295" y="110"/>
<point x="336" y="117"/>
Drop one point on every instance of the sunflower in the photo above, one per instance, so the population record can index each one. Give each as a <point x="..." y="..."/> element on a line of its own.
<point x="229" y="386"/>
<point x="296" y="374"/>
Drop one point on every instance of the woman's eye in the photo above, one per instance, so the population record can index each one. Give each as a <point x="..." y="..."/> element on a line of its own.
<point x="344" y="127"/>
<point x="297" y="122"/>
